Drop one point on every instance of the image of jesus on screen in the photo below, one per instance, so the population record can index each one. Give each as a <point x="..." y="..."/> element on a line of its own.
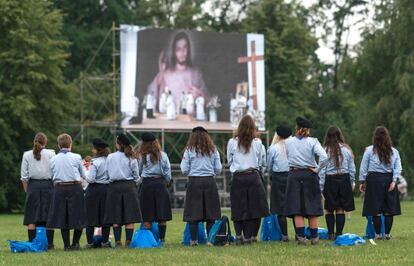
<point x="177" y="73"/>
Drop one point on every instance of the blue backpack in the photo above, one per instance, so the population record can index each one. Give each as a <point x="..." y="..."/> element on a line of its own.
<point x="202" y="238"/>
<point x="322" y="232"/>
<point x="144" y="239"/>
<point x="220" y="232"/>
<point x="348" y="240"/>
<point x="370" y="229"/>
<point x="154" y="230"/>
<point x="39" y="243"/>
<point x="270" y="229"/>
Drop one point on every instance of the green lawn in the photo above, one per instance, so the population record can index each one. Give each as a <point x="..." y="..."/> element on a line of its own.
<point x="398" y="251"/>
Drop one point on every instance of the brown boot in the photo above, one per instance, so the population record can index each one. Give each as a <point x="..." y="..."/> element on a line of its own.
<point x="118" y="244"/>
<point x="314" y="241"/>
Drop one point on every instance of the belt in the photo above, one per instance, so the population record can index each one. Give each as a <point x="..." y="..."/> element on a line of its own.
<point x="293" y="169"/>
<point x="149" y="177"/>
<point x="67" y="183"/>
<point x="246" y="172"/>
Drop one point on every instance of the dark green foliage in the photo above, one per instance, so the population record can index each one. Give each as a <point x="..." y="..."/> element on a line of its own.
<point x="33" y="96"/>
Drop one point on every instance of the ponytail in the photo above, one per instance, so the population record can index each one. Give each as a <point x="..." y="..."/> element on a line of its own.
<point x="39" y="143"/>
<point x="128" y="151"/>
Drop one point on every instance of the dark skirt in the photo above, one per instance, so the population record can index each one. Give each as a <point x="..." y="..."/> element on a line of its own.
<point x="38" y="197"/>
<point x="67" y="209"/>
<point x="377" y="199"/>
<point x="202" y="201"/>
<point x="278" y="192"/>
<point x="303" y="194"/>
<point x="155" y="200"/>
<point x="122" y="203"/>
<point x="338" y="193"/>
<point x="95" y="199"/>
<point x="248" y="197"/>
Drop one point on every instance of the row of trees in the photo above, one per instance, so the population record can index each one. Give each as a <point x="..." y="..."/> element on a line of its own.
<point x="46" y="44"/>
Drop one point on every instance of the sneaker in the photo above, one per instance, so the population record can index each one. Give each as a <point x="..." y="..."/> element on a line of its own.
<point x="239" y="241"/>
<point x="127" y="243"/>
<point x="331" y="237"/>
<point x="118" y="244"/>
<point x="388" y="237"/>
<point x="75" y="246"/>
<point x="247" y="241"/>
<point x="67" y="248"/>
<point x="106" y="245"/>
<point x="314" y="241"/>
<point x="301" y="240"/>
<point x="89" y="246"/>
<point x="209" y="244"/>
<point x="253" y="239"/>
<point x="162" y="242"/>
<point x="50" y="247"/>
<point x="379" y="237"/>
<point x="285" y="238"/>
<point x="193" y="243"/>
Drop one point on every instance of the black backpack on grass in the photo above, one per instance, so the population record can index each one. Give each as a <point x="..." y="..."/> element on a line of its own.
<point x="220" y="232"/>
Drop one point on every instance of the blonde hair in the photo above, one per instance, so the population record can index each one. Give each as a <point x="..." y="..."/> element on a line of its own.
<point x="279" y="141"/>
<point x="64" y="140"/>
<point x="302" y="132"/>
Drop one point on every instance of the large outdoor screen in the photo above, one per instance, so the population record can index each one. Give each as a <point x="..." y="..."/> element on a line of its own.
<point x="177" y="79"/>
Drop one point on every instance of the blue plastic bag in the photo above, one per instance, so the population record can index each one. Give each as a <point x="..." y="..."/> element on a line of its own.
<point x="144" y="239"/>
<point x="270" y="229"/>
<point x="322" y="232"/>
<point x="370" y="230"/>
<point x="39" y="243"/>
<point x="348" y="240"/>
<point x="41" y="238"/>
<point x="154" y="230"/>
<point x="202" y="238"/>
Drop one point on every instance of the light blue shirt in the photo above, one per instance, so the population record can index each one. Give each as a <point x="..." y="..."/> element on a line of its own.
<point x="34" y="169"/>
<point x="347" y="166"/>
<point x="277" y="159"/>
<point x="301" y="153"/>
<point x="239" y="161"/>
<point x="97" y="171"/>
<point x="120" y="167"/>
<point x="195" y="164"/>
<point x="66" y="166"/>
<point x="161" y="168"/>
<point x="371" y="163"/>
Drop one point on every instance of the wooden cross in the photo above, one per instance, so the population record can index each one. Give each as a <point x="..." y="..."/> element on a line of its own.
<point x="253" y="58"/>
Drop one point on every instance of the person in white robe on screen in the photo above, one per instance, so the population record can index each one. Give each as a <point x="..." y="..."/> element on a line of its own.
<point x="183" y="104"/>
<point x="163" y="102"/>
<point x="171" y="107"/>
<point x="200" y="111"/>
<point x="150" y="106"/>
<point x="190" y="104"/>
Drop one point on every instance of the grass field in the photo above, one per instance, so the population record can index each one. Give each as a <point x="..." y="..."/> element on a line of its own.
<point x="398" y="251"/>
